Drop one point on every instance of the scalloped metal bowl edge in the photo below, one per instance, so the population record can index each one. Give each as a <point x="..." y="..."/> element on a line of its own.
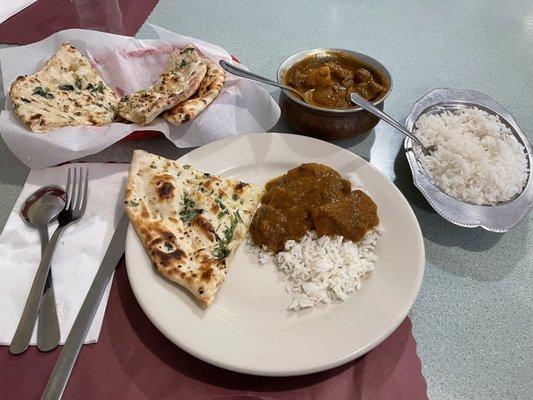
<point x="496" y="218"/>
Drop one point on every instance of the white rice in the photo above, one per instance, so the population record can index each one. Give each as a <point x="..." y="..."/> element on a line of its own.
<point x="322" y="270"/>
<point x="477" y="158"/>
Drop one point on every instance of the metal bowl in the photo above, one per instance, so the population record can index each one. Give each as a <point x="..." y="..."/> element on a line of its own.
<point x="496" y="218"/>
<point x="327" y="123"/>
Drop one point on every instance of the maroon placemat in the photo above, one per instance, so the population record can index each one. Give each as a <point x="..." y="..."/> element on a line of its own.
<point x="134" y="361"/>
<point x="46" y="17"/>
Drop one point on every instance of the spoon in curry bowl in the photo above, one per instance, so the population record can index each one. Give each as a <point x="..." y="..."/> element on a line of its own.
<point x="371" y="108"/>
<point x="233" y="69"/>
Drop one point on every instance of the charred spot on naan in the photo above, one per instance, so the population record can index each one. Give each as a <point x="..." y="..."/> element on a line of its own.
<point x="144" y="211"/>
<point x="151" y="231"/>
<point x="165" y="191"/>
<point x="167" y="260"/>
<point x="163" y="186"/>
<point x="207" y="274"/>
<point x="204" y="226"/>
<point x="239" y="187"/>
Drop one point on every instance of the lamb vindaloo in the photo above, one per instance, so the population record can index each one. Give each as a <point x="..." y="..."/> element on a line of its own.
<point x="311" y="197"/>
<point x="328" y="82"/>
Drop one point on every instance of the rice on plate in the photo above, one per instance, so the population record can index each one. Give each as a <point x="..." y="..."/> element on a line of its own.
<point x="476" y="160"/>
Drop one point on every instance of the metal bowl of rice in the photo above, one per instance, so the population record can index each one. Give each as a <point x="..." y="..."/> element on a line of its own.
<point x="471" y="181"/>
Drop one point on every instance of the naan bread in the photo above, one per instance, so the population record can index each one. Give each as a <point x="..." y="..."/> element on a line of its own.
<point x="207" y="92"/>
<point x="190" y="222"/>
<point x="179" y="81"/>
<point x="67" y="91"/>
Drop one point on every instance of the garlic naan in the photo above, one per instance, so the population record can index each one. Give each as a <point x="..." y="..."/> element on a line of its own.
<point x="207" y="92"/>
<point x="67" y="91"/>
<point x="181" y="78"/>
<point x="190" y="222"/>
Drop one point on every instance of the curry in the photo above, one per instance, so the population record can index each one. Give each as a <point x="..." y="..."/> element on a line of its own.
<point x="328" y="81"/>
<point x="311" y="197"/>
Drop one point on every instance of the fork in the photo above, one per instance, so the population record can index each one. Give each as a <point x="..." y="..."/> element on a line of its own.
<point x="74" y="209"/>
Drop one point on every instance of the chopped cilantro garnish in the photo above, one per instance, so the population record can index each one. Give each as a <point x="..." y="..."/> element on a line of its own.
<point x="187" y="215"/>
<point x="78" y="82"/>
<point x="186" y="166"/>
<point x="133" y="203"/>
<point x="235" y="197"/>
<point x="66" y="87"/>
<point x="220" y="204"/>
<point x="189" y="211"/>
<point x="95" y="88"/>
<point x="221" y="250"/>
<point x="43" y="92"/>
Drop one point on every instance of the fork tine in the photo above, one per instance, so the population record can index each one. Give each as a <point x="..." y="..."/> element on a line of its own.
<point x="78" y="188"/>
<point x="79" y="199"/>
<point x="73" y="196"/>
<point x="68" y="188"/>
<point x="85" y="191"/>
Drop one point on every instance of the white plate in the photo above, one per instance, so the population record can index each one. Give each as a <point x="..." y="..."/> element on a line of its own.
<point x="247" y="328"/>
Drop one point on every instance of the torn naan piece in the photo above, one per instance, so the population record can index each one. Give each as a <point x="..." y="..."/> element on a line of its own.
<point x="181" y="78"/>
<point x="66" y="91"/>
<point x="207" y="92"/>
<point x="190" y="222"/>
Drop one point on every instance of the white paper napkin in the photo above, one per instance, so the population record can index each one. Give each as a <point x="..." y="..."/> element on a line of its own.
<point x="128" y="64"/>
<point x="78" y="254"/>
<point x="11" y="7"/>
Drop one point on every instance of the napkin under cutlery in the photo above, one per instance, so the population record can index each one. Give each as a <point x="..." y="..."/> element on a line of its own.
<point x="78" y="253"/>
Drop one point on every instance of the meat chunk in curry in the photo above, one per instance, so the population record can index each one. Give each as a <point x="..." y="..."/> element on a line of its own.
<point x="352" y="217"/>
<point x="311" y="197"/>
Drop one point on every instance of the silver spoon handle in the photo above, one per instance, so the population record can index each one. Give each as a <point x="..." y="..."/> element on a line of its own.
<point x="22" y="336"/>
<point x="48" y="328"/>
<point x="233" y="69"/>
<point x="371" y="108"/>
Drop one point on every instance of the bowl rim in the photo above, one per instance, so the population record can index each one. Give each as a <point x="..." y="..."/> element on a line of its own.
<point x="292" y="59"/>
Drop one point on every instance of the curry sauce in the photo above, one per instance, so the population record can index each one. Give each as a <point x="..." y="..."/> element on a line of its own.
<point x="311" y="197"/>
<point x="329" y="81"/>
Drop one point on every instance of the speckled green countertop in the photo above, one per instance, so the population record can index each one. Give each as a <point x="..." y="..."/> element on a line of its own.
<point x="473" y="317"/>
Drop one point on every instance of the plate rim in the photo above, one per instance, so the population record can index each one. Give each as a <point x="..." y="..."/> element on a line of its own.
<point x="259" y="371"/>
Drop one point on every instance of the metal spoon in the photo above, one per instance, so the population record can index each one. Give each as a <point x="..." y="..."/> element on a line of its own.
<point x="371" y="108"/>
<point x="233" y="69"/>
<point x="39" y="209"/>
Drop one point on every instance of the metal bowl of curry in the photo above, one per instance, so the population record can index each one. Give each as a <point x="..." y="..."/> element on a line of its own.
<point x="325" y="78"/>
